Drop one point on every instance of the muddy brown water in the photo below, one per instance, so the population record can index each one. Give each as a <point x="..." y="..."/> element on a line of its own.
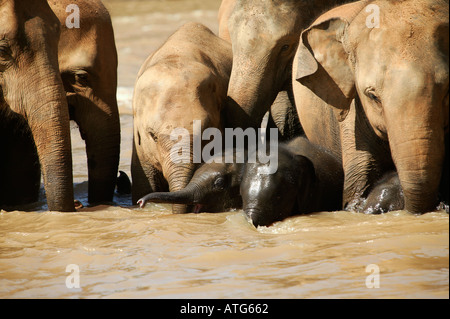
<point x="122" y="251"/>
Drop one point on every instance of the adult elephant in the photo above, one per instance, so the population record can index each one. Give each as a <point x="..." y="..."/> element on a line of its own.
<point x="33" y="107"/>
<point x="264" y="36"/>
<point x="379" y="93"/>
<point x="88" y="65"/>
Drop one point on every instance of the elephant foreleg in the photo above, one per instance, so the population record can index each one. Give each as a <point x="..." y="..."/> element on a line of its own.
<point x="145" y="178"/>
<point x="444" y="186"/>
<point x="100" y="128"/>
<point x="20" y="173"/>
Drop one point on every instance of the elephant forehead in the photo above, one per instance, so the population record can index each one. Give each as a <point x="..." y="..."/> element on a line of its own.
<point x="268" y="7"/>
<point x="8" y="22"/>
<point x="266" y="17"/>
<point x="406" y="33"/>
<point x="256" y="185"/>
<point x="79" y="57"/>
<point x="27" y="26"/>
<point x="257" y="180"/>
<point x="413" y="25"/>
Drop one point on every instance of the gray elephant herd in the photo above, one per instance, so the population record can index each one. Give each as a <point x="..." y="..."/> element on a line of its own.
<point x="357" y="93"/>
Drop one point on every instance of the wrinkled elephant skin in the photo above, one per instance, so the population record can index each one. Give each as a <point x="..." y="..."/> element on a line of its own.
<point x="88" y="65"/>
<point x="379" y="95"/>
<point x="186" y="80"/>
<point x="33" y="108"/>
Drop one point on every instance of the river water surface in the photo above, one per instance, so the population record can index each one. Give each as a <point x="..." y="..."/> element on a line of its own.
<point x="121" y="251"/>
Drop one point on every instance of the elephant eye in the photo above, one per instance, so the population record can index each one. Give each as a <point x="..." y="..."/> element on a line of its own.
<point x="5" y="52"/>
<point x="219" y="183"/>
<point x="285" y="48"/>
<point x="82" y="77"/>
<point x="2" y="51"/>
<point x="370" y="93"/>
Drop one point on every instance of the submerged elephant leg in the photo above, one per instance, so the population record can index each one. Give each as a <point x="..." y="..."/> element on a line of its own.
<point x="20" y="173"/>
<point x="123" y="184"/>
<point x="445" y="181"/>
<point x="145" y="179"/>
<point x="100" y="129"/>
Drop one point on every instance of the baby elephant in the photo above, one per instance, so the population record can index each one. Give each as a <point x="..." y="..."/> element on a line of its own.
<point x="180" y="91"/>
<point x="308" y="179"/>
<point x="387" y="195"/>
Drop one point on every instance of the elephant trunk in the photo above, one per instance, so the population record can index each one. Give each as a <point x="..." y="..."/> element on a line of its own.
<point x="252" y="90"/>
<point x="416" y="138"/>
<point x="177" y="174"/>
<point x="49" y="123"/>
<point x="184" y="196"/>
<point x="420" y="173"/>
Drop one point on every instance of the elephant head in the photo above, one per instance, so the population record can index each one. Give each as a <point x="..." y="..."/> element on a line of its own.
<point x="264" y="35"/>
<point x="168" y="146"/>
<point x="396" y="74"/>
<point x="386" y="195"/>
<point x="268" y="198"/>
<point x="30" y="85"/>
<point x="213" y="188"/>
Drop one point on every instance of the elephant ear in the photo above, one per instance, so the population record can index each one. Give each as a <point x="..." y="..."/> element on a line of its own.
<point x="323" y="62"/>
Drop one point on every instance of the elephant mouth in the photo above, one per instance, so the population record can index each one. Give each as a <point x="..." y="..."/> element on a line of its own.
<point x="255" y="216"/>
<point x="197" y="208"/>
<point x="263" y="217"/>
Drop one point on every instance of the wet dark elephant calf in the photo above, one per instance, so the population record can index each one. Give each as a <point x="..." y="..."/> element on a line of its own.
<point x="307" y="179"/>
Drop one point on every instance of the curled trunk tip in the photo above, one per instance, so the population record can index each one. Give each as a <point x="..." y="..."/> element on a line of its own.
<point x="178" y="197"/>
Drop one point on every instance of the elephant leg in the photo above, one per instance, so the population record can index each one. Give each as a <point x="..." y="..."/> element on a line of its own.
<point x="20" y="174"/>
<point x="444" y="186"/>
<point x="283" y="115"/>
<point x="99" y="126"/>
<point x="146" y="178"/>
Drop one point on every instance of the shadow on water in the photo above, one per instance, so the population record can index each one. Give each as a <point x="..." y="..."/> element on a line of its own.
<point x="81" y="196"/>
